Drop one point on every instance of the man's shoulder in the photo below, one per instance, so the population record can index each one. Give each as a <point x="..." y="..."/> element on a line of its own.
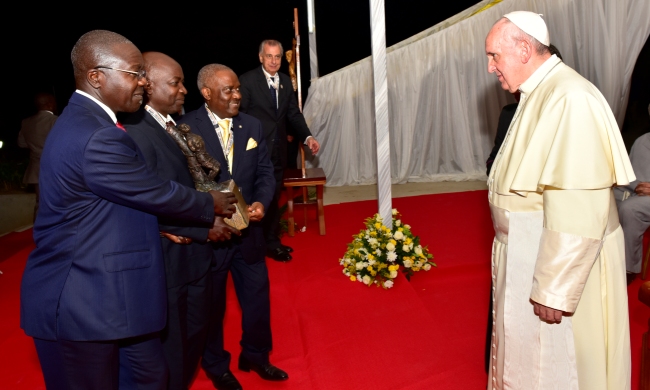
<point x="251" y="76"/>
<point x="249" y="119"/>
<point x="193" y="115"/>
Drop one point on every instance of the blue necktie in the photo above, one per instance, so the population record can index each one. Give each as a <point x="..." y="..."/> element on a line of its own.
<point x="274" y="97"/>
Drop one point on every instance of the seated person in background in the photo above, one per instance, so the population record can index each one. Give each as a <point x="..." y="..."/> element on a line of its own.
<point x="633" y="201"/>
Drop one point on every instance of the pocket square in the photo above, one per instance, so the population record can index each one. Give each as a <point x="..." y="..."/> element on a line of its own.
<point x="251" y="144"/>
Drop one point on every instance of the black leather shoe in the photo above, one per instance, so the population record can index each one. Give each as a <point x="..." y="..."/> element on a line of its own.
<point x="225" y="381"/>
<point x="286" y="248"/>
<point x="278" y="254"/>
<point x="266" y="371"/>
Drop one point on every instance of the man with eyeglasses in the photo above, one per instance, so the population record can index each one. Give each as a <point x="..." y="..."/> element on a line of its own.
<point x="93" y="291"/>
<point x="267" y="95"/>
<point x="237" y="141"/>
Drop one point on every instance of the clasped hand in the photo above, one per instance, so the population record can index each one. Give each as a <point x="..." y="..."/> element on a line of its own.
<point x="255" y="212"/>
<point x="547" y="314"/>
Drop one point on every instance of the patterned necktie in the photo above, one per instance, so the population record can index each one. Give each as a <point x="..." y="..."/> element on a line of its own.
<point x="274" y="96"/>
<point x="225" y="130"/>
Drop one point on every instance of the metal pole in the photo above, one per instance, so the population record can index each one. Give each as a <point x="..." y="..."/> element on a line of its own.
<point x="378" y="30"/>
<point x="313" y="54"/>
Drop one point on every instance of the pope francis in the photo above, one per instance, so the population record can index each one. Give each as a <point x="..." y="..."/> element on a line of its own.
<point x="558" y="258"/>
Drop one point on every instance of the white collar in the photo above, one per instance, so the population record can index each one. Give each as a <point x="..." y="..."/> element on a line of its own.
<point x="267" y="74"/>
<point x="102" y="105"/>
<point x="158" y="117"/>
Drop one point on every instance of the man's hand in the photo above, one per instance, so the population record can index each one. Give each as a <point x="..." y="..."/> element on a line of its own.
<point x="313" y="145"/>
<point x="221" y="231"/>
<point x="547" y="314"/>
<point x="643" y="189"/>
<point x="176" y="239"/>
<point x="256" y="212"/>
<point x="224" y="203"/>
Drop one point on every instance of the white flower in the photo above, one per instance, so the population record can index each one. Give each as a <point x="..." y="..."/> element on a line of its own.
<point x="359" y="266"/>
<point x="408" y="263"/>
<point x="406" y="248"/>
<point x="373" y="242"/>
<point x="393" y="274"/>
<point x="427" y="267"/>
<point x="407" y="226"/>
<point x="388" y="284"/>
<point x="398" y="235"/>
<point x="418" y="264"/>
<point x="390" y="246"/>
<point x="398" y="222"/>
<point x="366" y="279"/>
<point x="378" y="252"/>
<point x="372" y="262"/>
<point x="394" y="211"/>
<point x="391" y="256"/>
<point x="418" y="250"/>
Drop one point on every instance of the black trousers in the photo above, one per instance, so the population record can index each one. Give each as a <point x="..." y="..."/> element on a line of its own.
<point x="251" y="283"/>
<point x="183" y="339"/>
<point x="133" y="363"/>
<point x="271" y="220"/>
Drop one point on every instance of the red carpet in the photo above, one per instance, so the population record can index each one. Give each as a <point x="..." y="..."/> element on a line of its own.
<point x="330" y="333"/>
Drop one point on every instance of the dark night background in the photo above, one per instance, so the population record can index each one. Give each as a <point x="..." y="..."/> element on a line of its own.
<point x="38" y="44"/>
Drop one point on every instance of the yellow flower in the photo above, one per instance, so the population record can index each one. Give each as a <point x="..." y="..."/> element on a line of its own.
<point x="400" y="229"/>
<point x="370" y="256"/>
<point x="353" y="278"/>
<point x="370" y="268"/>
<point x="408" y="241"/>
<point x="373" y="234"/>
<point x="377" y="225"/>
<point x="392" y="241"/>
<point x="415" y="269"/>
<point x="373" y="273"/>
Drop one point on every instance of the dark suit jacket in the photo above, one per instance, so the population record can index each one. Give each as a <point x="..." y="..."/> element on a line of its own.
<point x="507" y="113"/>
<point x="252" y="172"/>
<point x="183" y="263"/>
<point x="97" y="271"/>
<point x="257" y="101"/>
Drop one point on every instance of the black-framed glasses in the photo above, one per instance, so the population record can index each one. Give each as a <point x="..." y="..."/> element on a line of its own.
<point x="139" y="74"/>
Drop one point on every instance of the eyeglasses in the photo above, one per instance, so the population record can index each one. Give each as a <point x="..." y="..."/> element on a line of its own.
<point x="139" y="74"/>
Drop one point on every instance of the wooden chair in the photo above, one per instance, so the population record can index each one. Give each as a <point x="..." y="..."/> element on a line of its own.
<point x="305" y="177"/>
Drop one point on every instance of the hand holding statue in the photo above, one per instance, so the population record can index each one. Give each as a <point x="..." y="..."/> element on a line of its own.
<point x="221" y="231"/>
<point x="224" y="203"/>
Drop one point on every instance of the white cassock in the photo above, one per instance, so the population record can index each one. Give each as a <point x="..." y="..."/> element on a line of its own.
<point x="558" y="240"/>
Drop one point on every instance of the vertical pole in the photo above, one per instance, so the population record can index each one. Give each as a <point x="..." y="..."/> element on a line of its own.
<point x="297" y="34"/>
<point x="313" y="54"/>
<point x="378" y="30"/>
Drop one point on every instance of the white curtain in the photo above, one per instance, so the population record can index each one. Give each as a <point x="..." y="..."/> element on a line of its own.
<point x="444" y="105"/>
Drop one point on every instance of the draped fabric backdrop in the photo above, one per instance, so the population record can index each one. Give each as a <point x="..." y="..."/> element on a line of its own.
<point x="444" y="105"/>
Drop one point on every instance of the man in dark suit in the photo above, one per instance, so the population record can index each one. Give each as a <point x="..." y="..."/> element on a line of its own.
<point x="268" y="96"/>
<point x="93" y="290"/>
<point x="32" y="135"/>
<point x="186" y="252"/>
<point x="237" y="141"/>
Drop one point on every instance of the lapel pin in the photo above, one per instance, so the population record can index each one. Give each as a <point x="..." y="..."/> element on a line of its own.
<point x="240" y="126"/>
<point x="281" y="86"/>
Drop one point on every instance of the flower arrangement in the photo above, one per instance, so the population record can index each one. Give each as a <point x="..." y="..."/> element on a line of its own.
<point x="377" y="253"/>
